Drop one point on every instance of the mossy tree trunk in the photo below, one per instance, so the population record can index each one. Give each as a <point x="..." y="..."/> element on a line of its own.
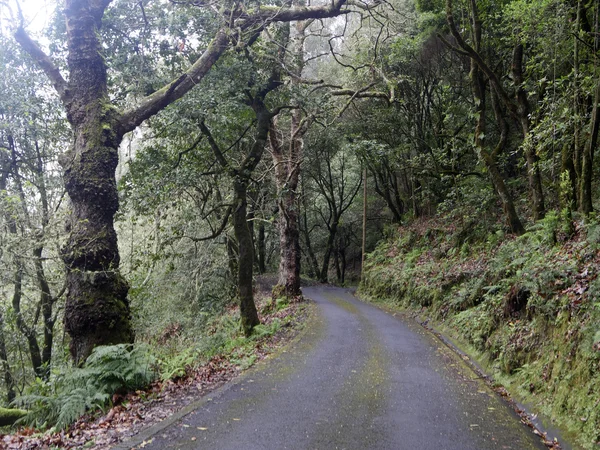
<point x="489" y="158"/>
<point x="261" y="246"/>
<point x="97" y="309"/>
<point x="9" y="380"/>
<point x="508" y="205"/>
<point x="523" y="111"/>
<point x="241" y="176"/>
<point x="248" y="312"/>
<point x="587" y="160"/>
<point x="287" y="174"/>
<point x="518" y="107"/>
<point x="287" y="153"/>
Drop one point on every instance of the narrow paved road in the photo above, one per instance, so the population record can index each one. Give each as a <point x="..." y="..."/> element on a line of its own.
<point x="359" y="379"/>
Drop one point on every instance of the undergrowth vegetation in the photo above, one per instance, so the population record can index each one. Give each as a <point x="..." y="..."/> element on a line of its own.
<point x="529" y="306"/>
<point x="110" y="372"/>
<point x="70" y="394"/>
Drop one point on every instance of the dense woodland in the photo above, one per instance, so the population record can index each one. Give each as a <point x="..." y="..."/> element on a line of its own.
<point x="156" y="156"/>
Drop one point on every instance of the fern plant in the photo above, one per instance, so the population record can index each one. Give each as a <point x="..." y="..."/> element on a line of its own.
<point x="108" y="370"/>
<point x="175" y="366"/>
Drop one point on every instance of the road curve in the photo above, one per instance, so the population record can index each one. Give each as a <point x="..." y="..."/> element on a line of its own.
<point x="360" y="378"/>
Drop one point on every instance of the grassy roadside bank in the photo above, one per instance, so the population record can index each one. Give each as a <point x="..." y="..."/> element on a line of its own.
<point x="527" y="308"/>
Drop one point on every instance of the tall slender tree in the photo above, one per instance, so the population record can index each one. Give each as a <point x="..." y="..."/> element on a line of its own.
<point x="518" y="106"/>
<point x="287" y="158"/>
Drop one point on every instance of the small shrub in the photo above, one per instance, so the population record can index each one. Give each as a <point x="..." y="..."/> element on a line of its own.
<point x="66" y="397"/>
<point x="593" y="232"/>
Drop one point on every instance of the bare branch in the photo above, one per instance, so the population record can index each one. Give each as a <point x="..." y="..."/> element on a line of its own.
<point x="361" y="94"/>
<point x="364" y="5"/>
<point x="187" y="150"/>
<point x="450" y="46"/>
<point x="217" y="232"/>
<point x="60" y="293"/>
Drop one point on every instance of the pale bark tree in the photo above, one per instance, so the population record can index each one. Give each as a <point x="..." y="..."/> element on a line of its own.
<point x="287" y="153"/>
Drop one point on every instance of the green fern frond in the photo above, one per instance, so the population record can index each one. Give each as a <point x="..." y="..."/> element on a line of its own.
<point x="108" y="369"/>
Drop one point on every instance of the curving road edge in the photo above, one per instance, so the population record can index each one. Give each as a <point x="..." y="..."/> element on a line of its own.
<point x="357" y="378"/>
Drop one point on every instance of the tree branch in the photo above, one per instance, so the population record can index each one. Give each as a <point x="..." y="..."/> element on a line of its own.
<point x="354" y="94"/>
<point x="213" y="145"/>
<point x="450" y="46"/>
<point x="217" y="232"/>
<point x="44" y="61"/>
<point x="176" y="89"/>
<point x="475" y="56"/>
<point x="187" y="150"/>
<point x="361" y="94"/>
<point x="60" y="293"/>
<point x="268" y="14"/>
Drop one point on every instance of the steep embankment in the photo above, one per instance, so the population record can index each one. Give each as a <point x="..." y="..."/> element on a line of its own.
<point x="529" y="308"/>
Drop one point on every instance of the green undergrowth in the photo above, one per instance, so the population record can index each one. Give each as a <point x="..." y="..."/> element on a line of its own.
<point x="112" y="371"/>
<point x="528" y="306"/>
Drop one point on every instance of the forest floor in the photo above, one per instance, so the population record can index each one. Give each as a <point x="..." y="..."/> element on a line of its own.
<point x="137" y="411"/>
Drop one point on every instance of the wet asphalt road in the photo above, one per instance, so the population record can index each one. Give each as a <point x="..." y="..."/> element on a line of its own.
<point x="359" y="378"/>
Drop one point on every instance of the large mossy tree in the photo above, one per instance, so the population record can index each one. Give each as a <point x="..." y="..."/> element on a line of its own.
<point x="97" y="310"/>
